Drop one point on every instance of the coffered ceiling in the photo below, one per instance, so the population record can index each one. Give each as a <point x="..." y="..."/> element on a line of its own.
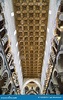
<point x="31" y="17"/>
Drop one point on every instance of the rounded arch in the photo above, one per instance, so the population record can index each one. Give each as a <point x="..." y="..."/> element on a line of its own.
<point x="28" y="81"/>
<point x="60" y="52"/>
<point x="59" y="62"/>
